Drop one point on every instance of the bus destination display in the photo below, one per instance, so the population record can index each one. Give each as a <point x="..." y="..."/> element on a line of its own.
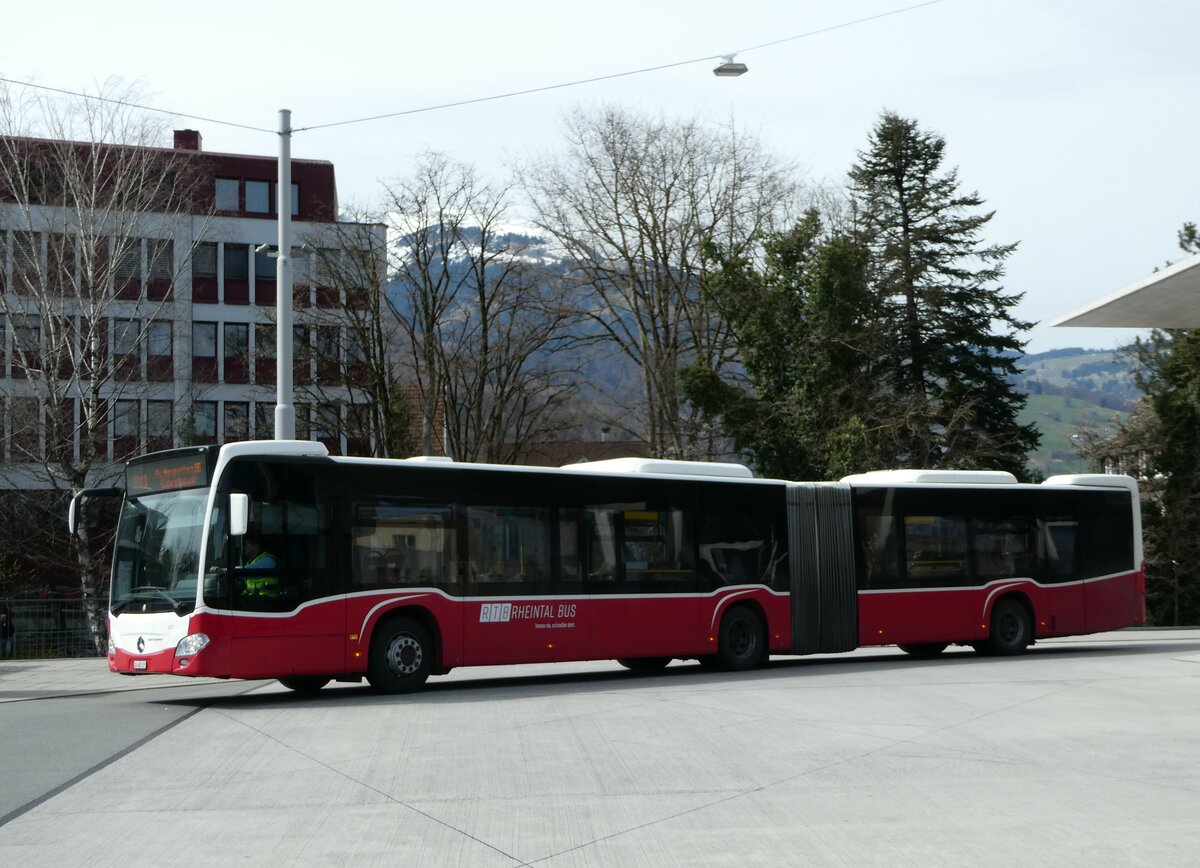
<point x="167" y="474"/>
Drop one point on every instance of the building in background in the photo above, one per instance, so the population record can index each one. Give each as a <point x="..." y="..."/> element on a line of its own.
<point x="188" y="326"/>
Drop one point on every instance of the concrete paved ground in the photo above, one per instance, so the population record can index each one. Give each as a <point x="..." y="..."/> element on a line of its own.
<point x="1083" y="752"/>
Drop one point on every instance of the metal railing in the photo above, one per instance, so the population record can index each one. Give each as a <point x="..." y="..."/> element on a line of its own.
<point x="45" y="628"/>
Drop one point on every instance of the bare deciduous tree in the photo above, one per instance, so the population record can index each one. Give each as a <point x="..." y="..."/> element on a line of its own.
<point x="90" y="205"/>
<point x="633" y="202"/>
<point x="359" y="372"/>
<point x="484" y="323"/>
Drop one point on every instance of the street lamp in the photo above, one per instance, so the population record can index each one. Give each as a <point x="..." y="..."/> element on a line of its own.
<point x="730" y="69"/>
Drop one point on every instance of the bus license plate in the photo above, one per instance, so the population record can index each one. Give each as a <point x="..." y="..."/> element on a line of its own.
<point x="139" y="664"/>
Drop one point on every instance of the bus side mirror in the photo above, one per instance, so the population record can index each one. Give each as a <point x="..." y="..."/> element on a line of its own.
<point x="239" y="514"/>
<point x="77" y="499"/>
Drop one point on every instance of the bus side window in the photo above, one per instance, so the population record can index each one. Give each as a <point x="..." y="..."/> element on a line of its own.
<point x="509" y="549"/>
<point x="658" y="549"/>
<point x="1058" y="547"/>
<point x="880" y="567"/>
<point x="1005" y="548"/>
<point x="740" y="548"/>
<point x="602" y="525"/>
<point x="935" y="550"/>
<point x="396" y="543"/>
<point x="570" y="562"/>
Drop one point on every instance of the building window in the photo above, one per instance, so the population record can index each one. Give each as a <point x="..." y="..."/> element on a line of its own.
<point x="204" y="260"/>
<point x="258" y="197"/>
<point x="125" y="336"/>
<point x="158" y="338"/>
<point x="27" y="334"/>
<point x="160" y="268"/>
<point x="236" y="337"/>
<point x="237" y="421"/>
<point x="237" y="273"/>
<point x="26" y="258"/>
<point x="237" y="262"/>
<point x="25" y="436"/>
<point x="204" y="340"/>
<point x="265" y="263"/>
<point x="227" y="194"/>
<point x="125" y="427"/>
<point x="204" y="421"/>
<point x="264" y="420"/>
<point x="264" y="353"/>
<point x="329" y="354"/>
<point x="159" y="425"/>
<point x="303" y="429"/>
<point x="204" y="272"/>
<point x="326" y="426"/>
<point x="160" y="258"/>
<point x="237" y="341"/>
<point x="128" y="273"/>
<point x="295" y="200"/>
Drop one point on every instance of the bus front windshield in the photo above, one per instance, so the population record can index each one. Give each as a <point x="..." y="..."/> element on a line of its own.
<point x="158" y="552"/>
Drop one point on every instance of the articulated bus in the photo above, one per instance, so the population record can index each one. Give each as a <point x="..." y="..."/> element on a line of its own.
<point x="274" y="560"/>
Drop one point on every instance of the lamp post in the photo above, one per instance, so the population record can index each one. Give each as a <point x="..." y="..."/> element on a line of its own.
<point x="285" y="411"/>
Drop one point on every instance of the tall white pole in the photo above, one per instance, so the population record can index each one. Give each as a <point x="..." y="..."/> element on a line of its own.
<point x="285" y="412"/>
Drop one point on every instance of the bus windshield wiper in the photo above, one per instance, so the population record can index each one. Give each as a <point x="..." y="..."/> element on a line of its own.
<point x="178" y="606"/>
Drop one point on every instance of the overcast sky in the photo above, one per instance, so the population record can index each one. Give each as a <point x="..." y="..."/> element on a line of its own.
<point x="1075" y="120"/>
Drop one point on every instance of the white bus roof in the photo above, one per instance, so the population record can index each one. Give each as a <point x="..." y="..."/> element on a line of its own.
<point x="662" y="466"/>
<point x="934" y="477"/>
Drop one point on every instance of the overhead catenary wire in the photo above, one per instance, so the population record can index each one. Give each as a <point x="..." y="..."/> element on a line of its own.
<point x="127" y="104"/>
<point x="610" y="76"/>
<point x="481" y="99"/>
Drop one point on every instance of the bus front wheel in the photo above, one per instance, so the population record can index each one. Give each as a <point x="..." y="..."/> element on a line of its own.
<point x="401" y="656"/>
<point x="1011" y="629"/>
<point x="742" y="640"/>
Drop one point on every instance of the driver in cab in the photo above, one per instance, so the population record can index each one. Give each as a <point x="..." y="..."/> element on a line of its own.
<point x="256" y="559"/>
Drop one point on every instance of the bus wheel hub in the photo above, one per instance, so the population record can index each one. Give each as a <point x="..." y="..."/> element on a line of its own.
<point x="404" y="655"/>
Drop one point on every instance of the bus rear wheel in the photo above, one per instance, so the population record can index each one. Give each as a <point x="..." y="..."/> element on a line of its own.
<point x="924" y="649"/>
<point x="644" y="664"/>
<point x="304" y="683"/>
<point x="1011" y="629"/>
<point x="401" y="656"/>
<point x="742" y="641"/>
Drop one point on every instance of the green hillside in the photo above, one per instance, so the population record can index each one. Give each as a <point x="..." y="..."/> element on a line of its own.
<point x="1059" y="418"/>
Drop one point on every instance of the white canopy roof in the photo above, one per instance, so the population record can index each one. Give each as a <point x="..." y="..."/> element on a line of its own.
<point x="1166" y="299"/>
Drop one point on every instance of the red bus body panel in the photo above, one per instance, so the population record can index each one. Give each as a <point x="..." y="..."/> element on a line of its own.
<point x="332" y="636"/>
<point x="907" y="616"/>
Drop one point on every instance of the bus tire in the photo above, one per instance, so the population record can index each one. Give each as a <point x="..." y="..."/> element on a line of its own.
<point x="401" y="656"/>
<point x="304" y="683"/>
<point x="1011" y="629"/>
<point x="924" y="649"/>
<point x="742" y="641"/>
<point x="644" y="664"/>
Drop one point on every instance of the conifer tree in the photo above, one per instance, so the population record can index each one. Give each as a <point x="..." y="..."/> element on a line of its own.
<point x="952" y="333"/>
<point x="804" y="326"/>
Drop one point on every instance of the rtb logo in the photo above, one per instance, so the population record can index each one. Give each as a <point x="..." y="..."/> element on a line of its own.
<point x="494" y="612"/>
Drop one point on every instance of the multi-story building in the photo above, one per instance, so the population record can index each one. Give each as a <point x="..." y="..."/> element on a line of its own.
<point x="187" y="331"/>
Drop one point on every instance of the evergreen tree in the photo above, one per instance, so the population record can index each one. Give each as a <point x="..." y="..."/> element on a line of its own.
<point x="803" y="324"/>
<point x="953" y="336"/>
<point x="1170" y="378"/>
<point x="1160" y="442"/>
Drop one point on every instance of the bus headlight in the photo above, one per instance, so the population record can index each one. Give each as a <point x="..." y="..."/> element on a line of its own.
<point x="190" y="646"/>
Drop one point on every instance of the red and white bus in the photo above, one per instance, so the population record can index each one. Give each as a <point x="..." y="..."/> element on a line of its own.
<point x="397" y="570"/>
